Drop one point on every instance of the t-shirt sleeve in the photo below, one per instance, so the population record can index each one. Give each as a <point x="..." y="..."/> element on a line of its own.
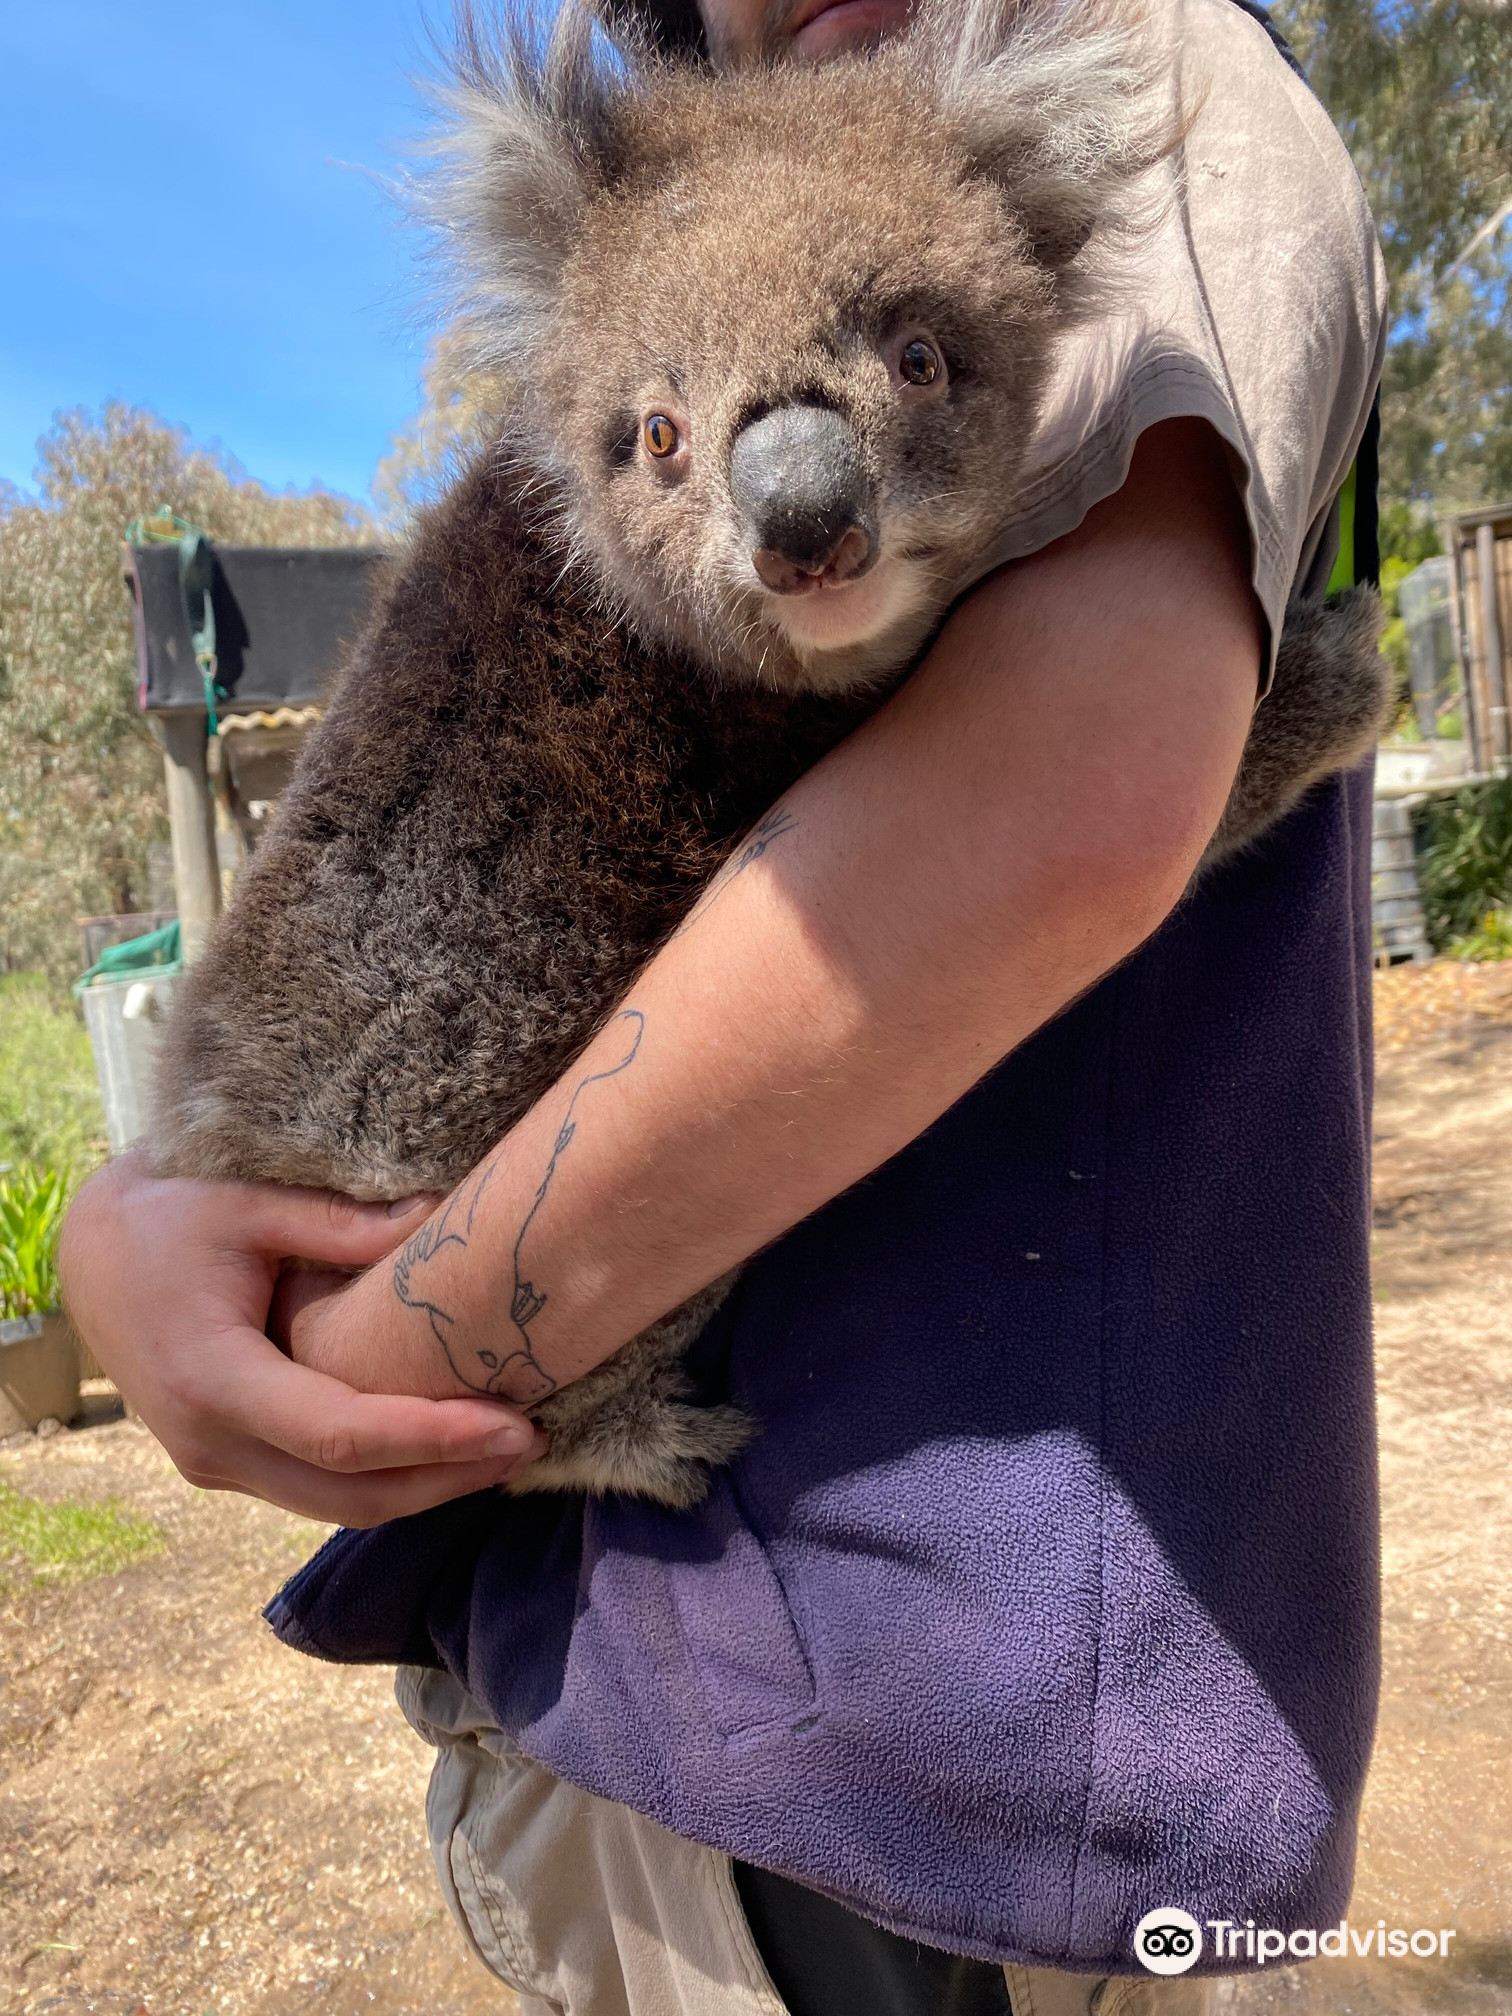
<point x="1257" y="302"/>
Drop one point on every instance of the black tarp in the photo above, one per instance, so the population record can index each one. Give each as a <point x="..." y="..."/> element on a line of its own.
<point x="282" y="615"/>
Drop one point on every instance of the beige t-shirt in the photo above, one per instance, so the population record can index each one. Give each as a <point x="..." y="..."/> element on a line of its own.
<point x="1257" y="303"/>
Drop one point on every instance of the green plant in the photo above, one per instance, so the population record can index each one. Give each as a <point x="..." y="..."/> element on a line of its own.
<point x="1465" y="859"/>
<point x="1491" y="939"/>
<point x="50" y="1110"/>
<point x="32" y="1203"/>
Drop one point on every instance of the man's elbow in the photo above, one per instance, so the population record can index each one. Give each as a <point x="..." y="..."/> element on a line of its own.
<point x="1113" y="875"/>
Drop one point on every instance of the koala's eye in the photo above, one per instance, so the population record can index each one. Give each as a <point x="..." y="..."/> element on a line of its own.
<point x="920" y="362"/>
<point x="660" y="436"/>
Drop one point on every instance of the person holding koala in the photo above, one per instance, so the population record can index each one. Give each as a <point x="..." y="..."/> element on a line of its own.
<point x="1044" y="1600"/>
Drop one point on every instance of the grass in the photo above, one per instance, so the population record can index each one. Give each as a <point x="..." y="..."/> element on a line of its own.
<point x="70" y="1541"/>
<point x="50" y="1110"/>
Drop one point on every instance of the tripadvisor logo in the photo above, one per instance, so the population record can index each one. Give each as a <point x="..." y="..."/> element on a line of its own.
<point x="1168" y="1941"/>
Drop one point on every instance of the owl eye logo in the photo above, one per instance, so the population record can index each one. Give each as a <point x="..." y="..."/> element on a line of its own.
<point x="1167" y="1941"/>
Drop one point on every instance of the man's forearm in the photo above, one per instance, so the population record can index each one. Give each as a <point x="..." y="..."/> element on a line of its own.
<point x="998" y="837"/>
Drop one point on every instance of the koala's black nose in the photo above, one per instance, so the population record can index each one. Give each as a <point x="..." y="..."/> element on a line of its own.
<point x="797" y="479"/>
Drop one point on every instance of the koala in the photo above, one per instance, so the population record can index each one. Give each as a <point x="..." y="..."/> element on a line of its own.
<point x="773" y="343"/>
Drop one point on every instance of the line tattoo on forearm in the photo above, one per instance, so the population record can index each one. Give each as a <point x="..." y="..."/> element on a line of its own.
<point x="518" y="1374"/>
<point x="768" y="829"/>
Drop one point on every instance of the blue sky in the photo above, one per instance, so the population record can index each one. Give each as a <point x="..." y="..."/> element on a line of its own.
<point x="185" y="223"/>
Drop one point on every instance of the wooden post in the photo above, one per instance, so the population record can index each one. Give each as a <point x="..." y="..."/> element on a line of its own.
<point x="1500" y="750"/>
<point x="191" y="822"/>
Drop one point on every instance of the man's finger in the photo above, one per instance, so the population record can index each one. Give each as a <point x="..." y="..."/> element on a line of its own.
<point x="365" y="1500"/>
<point x="322" y="1422"/>
<point x="323" y="1225"/>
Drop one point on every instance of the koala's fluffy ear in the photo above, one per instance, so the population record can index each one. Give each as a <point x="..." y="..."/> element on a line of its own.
<point x="1065" y="104"/>
<point x="531" y="126"/>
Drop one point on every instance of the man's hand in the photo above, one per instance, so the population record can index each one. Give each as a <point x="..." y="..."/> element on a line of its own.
<point x="170" y="1283"/>
<point x="353" y="1328"/>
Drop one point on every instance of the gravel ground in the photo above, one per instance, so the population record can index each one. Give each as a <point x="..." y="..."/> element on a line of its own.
<point x="195" y="1822"/>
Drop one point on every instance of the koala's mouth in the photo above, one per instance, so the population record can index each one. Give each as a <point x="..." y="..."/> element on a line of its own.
<point x="839" y="615"/>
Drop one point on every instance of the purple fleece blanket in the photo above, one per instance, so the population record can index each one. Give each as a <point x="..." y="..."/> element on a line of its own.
<point x="1048" y="1594"/>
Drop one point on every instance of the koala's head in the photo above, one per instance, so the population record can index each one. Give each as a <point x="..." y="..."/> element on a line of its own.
<point x="776" y="339"/>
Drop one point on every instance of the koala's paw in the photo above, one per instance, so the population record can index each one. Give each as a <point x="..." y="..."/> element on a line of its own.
<point x="663" y="1452"/>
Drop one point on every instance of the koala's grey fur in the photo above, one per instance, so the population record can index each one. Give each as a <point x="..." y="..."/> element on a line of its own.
<point x="575" y="694"/>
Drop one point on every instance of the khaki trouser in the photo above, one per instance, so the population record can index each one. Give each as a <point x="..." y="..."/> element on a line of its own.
<point x="586" y="1908"/>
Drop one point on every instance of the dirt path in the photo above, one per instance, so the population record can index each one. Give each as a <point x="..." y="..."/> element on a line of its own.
<point x="195" y="1822"/>
<point x="1437" y="1828"/>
